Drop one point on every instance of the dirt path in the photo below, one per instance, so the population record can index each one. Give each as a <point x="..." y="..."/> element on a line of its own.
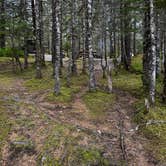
<point x="34" y="118"/>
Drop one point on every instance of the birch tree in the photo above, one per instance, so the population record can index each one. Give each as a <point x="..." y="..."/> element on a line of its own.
<point x="149" y="57"/>
<point x="92" y="82"/>
<point x="56" y="43"/>
<point x="37" y="38"/>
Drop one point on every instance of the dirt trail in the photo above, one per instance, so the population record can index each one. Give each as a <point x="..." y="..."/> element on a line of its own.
<point x="115" y="134"/>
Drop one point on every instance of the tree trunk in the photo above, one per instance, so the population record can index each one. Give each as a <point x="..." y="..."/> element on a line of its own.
<point x="158" y="65"/>
<point x="73" y="42"/>
<point x="134" y="38"/>
<point x="127" y="38"/>
<point x="164" y="54"/>
<point x="56" y="43"/>
<point x="149" y="57"/>
<point x="41" y="34"/>
<point x="61" y="36"/>
<point x="2" y="24"/>
<point x="92" y="82"/>
<point x="84" y="42"/>
<point x="38" y="41"/>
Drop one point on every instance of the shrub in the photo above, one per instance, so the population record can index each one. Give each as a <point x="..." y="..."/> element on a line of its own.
<point x="9" y="52"/>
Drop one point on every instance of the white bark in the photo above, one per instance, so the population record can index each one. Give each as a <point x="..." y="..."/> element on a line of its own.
<point x="92" y="82"/>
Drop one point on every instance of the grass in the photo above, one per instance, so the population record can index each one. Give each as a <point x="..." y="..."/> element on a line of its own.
<point x="98" y="102"/>
<point x="128" y="82"/>
<point x="60" y="137"/>
<point x="62" y="148"/>
<point x="66" y="95"/>
<point x="156" y="133"/>
<point x="136" y="64"/>
<point x="4" y="123"/>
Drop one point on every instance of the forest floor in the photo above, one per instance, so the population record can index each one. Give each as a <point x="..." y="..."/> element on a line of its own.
<point x="78" y="127"/>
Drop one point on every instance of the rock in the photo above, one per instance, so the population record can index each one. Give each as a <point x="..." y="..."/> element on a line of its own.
<point x="99" y="132"/>
<point x="23" y="145"/>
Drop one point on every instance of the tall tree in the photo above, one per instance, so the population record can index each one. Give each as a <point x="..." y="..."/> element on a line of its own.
<point x="2" y="23"/>
<point x="92" y="82"/>
<point x="56" y="42"/>
<point x="73" y="37"/>
<point x="38" y="38"/>
<point x="149" y="57"/>
<point x="127" y="36"/>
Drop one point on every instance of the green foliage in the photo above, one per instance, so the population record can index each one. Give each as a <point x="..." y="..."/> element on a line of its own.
<point x="98" y="102"/>
<point x="4" y="123"/>
<point x="39" y="84"/>
<point x="62" y="148"/>
<point x="129" y="82"/>
<point x="11" y="52"/>
<point x="4" y="128"/>
<point x="137" y="63"/>
<point x="65" y="96"/>
<point x="156" y="133"/>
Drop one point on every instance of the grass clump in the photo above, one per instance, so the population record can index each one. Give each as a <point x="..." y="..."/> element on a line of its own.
<point x="4" y="126"/>
<point x="4" y="129"/>
<point x="136" y="64"/>
<point x="128" y="82"/>
<point x="87" y="156"/>
<point x="39" y="84"/>
<point x="98" y="102"/>
<point x="66" y="95"/>
<point x="156" y="133"/>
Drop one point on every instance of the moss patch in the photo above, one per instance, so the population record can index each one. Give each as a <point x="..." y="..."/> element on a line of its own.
<point x="4" y="124"/>
<point x="129" y="82"/>
<point x="156" y="133"/>
<point x="65" y="96"/>
<point x="137" y="63"/>
<point x="62" y="148"/>
<point x="98" y="102"/>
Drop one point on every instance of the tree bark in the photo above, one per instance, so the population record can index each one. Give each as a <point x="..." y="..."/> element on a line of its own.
<point x="127" y="38"/>
<point x="164" y="81"/>
<point x="56" y="43"/>
<point x="2" y="24"/>
<point x="149" y="57"/>
<point x="38" y="41"/>
<point x="92" y="82"/>
<point x="73" y="36"/>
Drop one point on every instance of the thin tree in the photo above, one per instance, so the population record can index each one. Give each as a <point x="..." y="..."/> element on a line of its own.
<point x="92" y="82"/>
<point x="56" y="43"/>
<point x="149" y="57"/>
<point x="37" y="35"/>
<point x="2" y="23"/>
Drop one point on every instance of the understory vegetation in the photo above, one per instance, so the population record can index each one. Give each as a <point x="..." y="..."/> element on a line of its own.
<point x="63" y="142"/>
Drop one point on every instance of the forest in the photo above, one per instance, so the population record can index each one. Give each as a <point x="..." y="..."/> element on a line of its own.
<point x="82" y="82"/>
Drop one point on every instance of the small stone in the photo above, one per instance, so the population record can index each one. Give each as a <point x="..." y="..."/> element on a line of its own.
<point x="78" y="130"/>
<point x="99" y="132"/>
<point x="22" y="146"/>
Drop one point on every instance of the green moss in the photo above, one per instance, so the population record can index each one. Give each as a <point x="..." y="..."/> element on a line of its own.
<point x="86" y="156"/>
<point x="98" y="102"/>
<point x="65" y="97"/>
<point x="39" y="84"/>
<point x="4" y="126"/>
<point x="80" y="80"/>
<point x="6" y="81"/>
<point x="156" y="133"/>
<point x="5" y="59"/>
<point x="129" y="82"/>
<point x="22" y="144"/>
<point x="137" y="63"/>
<point x="47" y="160"/>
